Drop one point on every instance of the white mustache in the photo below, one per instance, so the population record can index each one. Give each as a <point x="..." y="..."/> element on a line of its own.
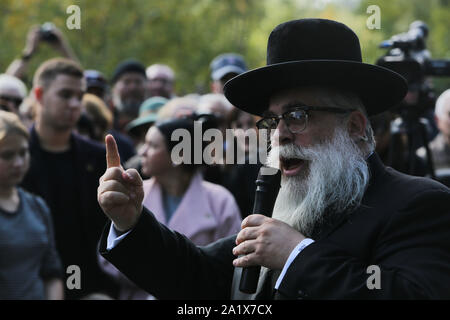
<point x="336" y="179"/>
<point x="290" y="151"/>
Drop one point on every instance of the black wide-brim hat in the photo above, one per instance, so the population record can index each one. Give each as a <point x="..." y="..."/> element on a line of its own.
<point x="315" y="52"/>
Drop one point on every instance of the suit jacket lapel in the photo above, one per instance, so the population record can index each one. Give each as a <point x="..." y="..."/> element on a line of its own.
<point x="37" y="168"/>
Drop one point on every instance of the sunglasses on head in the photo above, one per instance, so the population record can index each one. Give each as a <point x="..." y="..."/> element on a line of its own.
<point x="17" y="101"/>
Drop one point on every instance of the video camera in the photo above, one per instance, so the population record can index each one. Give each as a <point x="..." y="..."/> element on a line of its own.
<point x="409" y="57"/>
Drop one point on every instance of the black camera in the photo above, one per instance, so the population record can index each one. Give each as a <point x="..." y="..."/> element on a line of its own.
<point x="409" y="57"/>
<point x="47" y="32"/>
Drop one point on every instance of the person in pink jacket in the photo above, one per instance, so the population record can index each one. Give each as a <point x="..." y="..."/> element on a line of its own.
<point x="177" y="194"/>
<point x="179" y="197"/>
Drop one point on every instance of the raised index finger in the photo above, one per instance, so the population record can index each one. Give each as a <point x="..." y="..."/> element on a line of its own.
<point x="112" y="154"/>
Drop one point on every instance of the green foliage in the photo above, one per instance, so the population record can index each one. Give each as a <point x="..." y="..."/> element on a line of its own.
<point x="188" y="34"/>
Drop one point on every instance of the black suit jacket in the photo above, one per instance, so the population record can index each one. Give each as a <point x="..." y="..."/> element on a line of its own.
<point x="89" y="166"/>
<point x="402" y="226"/>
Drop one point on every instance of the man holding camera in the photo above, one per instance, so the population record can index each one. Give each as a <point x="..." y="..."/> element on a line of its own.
<point x="46" y="33"/>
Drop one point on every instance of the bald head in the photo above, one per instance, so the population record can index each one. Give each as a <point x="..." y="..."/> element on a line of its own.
<point x="442" y="113"/>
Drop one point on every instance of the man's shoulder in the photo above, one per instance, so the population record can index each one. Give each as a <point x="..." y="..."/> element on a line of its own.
<point x="415" y="182"/>
<point x="389" y="183"/>
<point x="400" y="188"/>
<point x="85" y="144"/>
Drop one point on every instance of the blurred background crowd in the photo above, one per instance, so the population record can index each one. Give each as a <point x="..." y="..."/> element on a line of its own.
<point x="140" y="70"/>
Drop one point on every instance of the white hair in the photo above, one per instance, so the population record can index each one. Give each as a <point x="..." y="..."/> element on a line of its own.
<point x="157" y="67"/>
<point x="339" y="98"/>
<point x="10" y="82"/>
<point x="444" y="98"/>
<point x="334" y="178"/>
<point x="208" y="101"/>
<point x="178" y="107"/>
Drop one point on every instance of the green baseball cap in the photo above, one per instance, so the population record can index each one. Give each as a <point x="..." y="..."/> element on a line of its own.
<point x="148" y="112"/>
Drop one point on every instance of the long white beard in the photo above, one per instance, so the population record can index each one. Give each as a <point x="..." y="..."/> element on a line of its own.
<point x="335" y="178"/>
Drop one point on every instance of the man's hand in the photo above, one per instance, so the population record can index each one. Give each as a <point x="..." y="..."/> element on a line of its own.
<point x="266" y="242"/>
<point x="62" y="45"/>
<point x="120" y="192"/>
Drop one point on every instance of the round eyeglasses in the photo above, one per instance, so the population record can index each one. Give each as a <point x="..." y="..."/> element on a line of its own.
<point x="296" y="119"/>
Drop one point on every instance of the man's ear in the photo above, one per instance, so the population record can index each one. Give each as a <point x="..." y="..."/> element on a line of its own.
<point x="356" y="125"/>
<point x="38" y="93"/>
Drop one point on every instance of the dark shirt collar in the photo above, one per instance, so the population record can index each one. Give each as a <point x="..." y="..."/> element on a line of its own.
<point x="36" y="144"/>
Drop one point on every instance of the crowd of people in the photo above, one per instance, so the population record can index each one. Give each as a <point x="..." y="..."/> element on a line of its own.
<point x="52" y="157"/>
<point x="64" y="115"/>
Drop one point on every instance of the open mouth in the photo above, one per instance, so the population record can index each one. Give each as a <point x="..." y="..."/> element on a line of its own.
<point x="291" y="166"/>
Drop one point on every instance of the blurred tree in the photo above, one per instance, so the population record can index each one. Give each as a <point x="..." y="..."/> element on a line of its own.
<point x="188" y="34"/>
<point x="185" y="34"/>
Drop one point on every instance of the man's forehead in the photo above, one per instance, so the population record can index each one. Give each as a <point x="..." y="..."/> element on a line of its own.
<point x="285" y="100"/>
<point x="63" y="81"/>
<point x="285" y="106"/>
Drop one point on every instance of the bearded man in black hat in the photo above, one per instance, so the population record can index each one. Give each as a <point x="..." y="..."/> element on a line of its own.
<point x="344" y="226"/>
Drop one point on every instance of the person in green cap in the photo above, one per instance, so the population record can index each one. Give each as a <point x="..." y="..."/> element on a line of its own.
<point x="136" y="129"/>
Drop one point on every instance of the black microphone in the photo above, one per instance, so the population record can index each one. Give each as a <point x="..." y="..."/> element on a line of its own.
<point x="267" y="187"/>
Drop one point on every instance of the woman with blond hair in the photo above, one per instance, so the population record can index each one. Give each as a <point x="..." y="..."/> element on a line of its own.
<point x="30" y="267"/>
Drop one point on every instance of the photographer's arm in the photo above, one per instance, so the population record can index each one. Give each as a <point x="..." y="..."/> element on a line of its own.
<point x="19" y="66"/>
